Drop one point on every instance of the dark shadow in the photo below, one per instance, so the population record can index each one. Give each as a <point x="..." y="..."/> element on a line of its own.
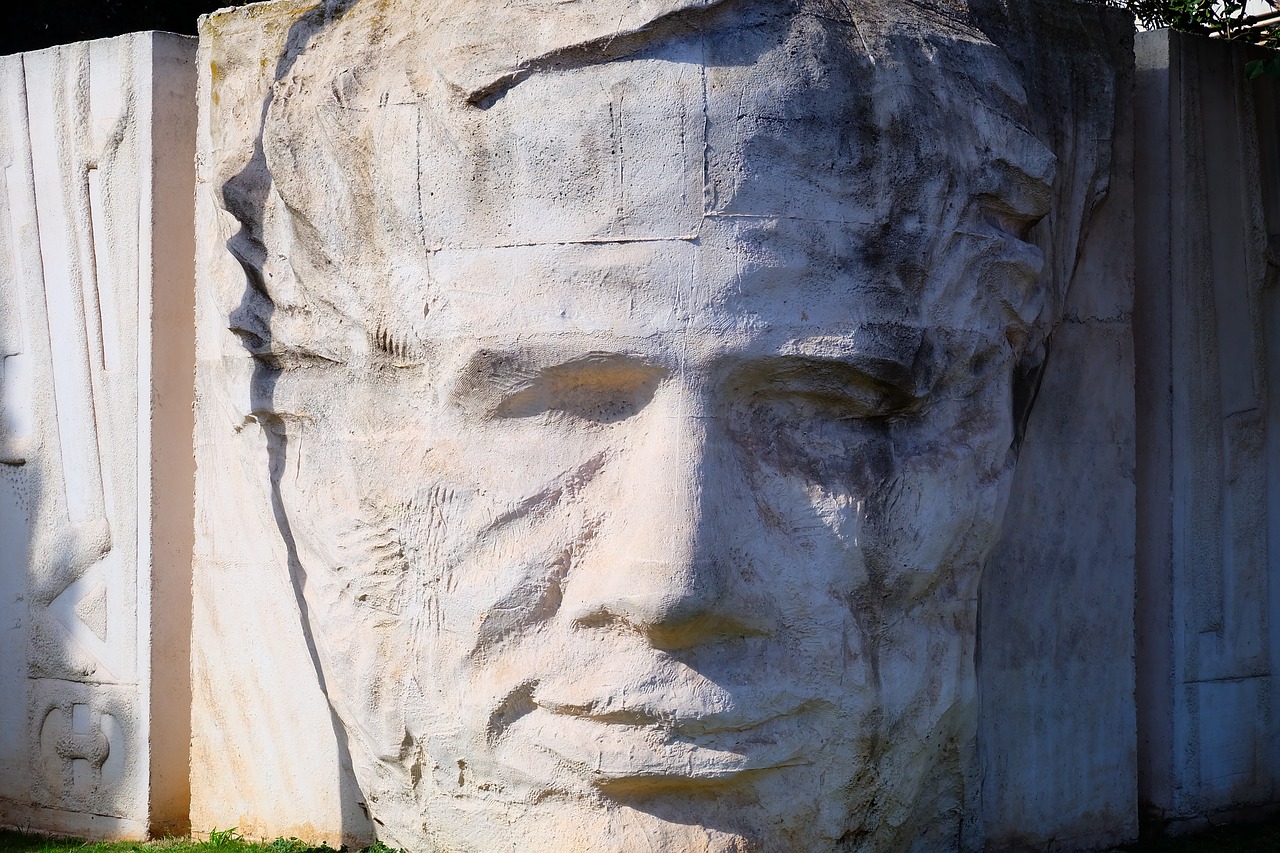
<point x="1071" y="59"/>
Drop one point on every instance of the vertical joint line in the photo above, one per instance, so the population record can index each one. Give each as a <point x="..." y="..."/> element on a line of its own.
<point x="101" y="273"/>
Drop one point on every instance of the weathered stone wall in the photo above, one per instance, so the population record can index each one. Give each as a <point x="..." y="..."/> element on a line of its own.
<point x="1055" y="660"/>
<point x="249" y="683"/>
<point x="96" y="141"/>
<point x="1207" y="329"/>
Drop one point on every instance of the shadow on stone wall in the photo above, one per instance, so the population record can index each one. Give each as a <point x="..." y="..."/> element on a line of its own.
<point x="245" y="195"/>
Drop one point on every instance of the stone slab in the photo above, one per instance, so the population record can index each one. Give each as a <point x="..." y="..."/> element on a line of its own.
<point x="1207" y="332"/>
<point x="1056" y="659"/>
<point x="247" y="682"/>
<point x="96" y="349"/>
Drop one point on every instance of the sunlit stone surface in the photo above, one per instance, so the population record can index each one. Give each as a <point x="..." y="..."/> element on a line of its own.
<point x="606" y="414"/>
<point x="96" y="141"/>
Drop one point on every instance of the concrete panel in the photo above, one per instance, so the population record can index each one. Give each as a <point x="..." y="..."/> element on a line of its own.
<point x="243" y="773"/>
<point x="1207" y="334"/>
<point x="96" y="141"/>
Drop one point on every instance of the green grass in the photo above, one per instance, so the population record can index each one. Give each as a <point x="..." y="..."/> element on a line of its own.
<point x="220" y="841"/>
<point x="1261" y="838"/>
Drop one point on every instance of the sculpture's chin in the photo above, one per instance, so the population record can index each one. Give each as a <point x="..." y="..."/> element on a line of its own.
<point x="563" y="784"/>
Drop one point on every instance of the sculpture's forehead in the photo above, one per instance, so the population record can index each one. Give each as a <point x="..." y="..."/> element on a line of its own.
<point x="772" y="121"/>
<point x="739" y="278"/>
<point x="732" y="177"/>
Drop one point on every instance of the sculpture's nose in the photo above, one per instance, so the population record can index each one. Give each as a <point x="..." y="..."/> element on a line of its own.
<point x="666" y="565"/>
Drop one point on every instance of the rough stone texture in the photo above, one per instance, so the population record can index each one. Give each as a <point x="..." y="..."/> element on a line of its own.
<point x="1208" y="343"/>
<point x="1056" y="669"/>
<point x="611" y="410"/>
<point x="248" y="684"/>
<point x="96" y="349"/>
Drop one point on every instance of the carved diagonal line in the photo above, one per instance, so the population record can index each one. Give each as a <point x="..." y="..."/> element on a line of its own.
<point x="93" y="597"/>
<point x="103" y="273"/>
<point x="57" y="185"/>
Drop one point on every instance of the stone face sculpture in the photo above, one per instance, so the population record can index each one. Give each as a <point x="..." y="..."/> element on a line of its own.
<point x="641" y="391"/>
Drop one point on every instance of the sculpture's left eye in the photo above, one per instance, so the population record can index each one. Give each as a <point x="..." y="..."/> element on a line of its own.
<point x="829" y="389"/>
<point x="817" y="418"/>
<point x="818" y="438"/>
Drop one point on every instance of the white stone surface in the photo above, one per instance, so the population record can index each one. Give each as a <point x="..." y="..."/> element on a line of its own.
<point x="96" y="347"/>
<point x="615" y="418"/>
<point x="1208" y="336"/>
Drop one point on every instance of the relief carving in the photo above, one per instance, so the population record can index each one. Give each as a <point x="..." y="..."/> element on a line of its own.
<point x="82" y="748"/>
<point x="70" y="261"/>
<point x="641" y="396"/>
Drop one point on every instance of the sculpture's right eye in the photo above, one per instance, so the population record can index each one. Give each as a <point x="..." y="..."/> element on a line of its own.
<point x="599" y="388"/>
<point x="601" y="392"/>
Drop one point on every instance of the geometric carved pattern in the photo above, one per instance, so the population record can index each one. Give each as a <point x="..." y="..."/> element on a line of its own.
<point x="89" y="609"/>
<point x="84" y="167"/>
<point x="69" y="392"/>
<point x="78" y="155"/>
<point x="82" y="747"/>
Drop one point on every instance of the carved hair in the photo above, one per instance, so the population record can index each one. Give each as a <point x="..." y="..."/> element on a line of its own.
<point x="365" y="95"/>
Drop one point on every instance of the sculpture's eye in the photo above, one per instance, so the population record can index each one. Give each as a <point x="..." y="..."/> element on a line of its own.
<point x="598" y="388"/>
<point x="819" y="419"/>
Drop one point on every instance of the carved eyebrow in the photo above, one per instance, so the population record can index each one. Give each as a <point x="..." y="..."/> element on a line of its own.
<point x="516" y="367"/>
<point x="855" y="367"/>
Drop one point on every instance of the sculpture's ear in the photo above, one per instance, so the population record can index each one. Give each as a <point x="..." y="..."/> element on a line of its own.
<point x="1071" y="58"/>
<point x="1067" y="53"/>
<point x="482" y="48"/>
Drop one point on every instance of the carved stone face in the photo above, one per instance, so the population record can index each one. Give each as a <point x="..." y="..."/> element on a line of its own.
<point x="654" y="547"/>
<point x="650" y="511"/>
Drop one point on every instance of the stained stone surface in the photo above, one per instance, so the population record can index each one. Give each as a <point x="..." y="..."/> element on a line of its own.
<point x="1056" y="635"/>
<point x="605" y="414"/>
<point x="1208" y="341"/>
<point x="96" y="348"/>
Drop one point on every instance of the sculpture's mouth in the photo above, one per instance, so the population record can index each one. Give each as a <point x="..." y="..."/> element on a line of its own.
<point x="689" y="721"/>
<point x="637" y="746"/>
